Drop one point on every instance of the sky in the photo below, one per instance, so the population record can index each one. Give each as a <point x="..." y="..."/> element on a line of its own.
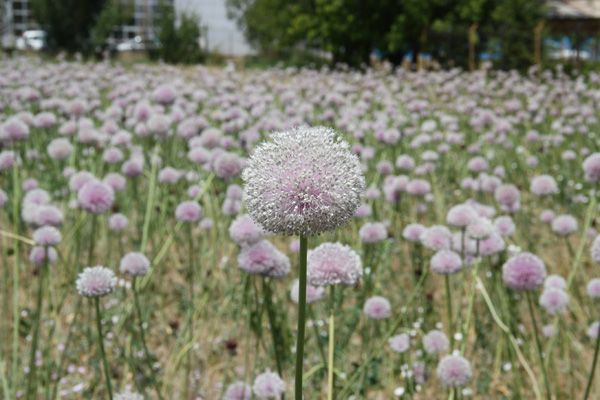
<point x="223" y="34"/>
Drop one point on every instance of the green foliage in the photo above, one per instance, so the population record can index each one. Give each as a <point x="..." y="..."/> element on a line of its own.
<point x="114" y="13"/>
<point x="349" y="30"/>
<point x="178" y="40"/>
<point x="69" y="23"/>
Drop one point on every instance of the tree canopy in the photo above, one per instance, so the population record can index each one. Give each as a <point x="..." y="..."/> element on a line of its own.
<point x="351" y="29"/>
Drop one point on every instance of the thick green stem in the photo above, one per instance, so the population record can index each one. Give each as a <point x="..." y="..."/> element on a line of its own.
<point x="138" y="309"/>
<point x="539" y="346"/>
<point x="588" y="388"/>
<point x="16" y="271"/>
<point x="301" y="318"/>
<point x="274" y="327"/>
<point x="101" y="344"/>
<point x="331" y="344"/>
<point x="32" y="379"/>
<point x="449" y="307"/>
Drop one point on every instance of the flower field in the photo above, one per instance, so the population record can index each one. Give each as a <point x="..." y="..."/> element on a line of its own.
<point x="159" y="224"/>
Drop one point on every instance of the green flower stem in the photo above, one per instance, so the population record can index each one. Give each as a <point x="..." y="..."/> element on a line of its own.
<point x="301" y="318"/>
<point x="101" y="344"/>
<point x="588" y="387"/>
<point x="32" y="378"/>
<point x="539" y="346"/>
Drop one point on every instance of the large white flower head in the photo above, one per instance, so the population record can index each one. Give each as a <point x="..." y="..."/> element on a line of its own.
<point x="303" y="182"/>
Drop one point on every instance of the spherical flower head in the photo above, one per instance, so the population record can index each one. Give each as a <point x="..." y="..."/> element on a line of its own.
<point x="591" y="167"/>
<point x="418" y="187"/>
<point x="244" y="231"/>
<point x="543" y="185"/>
<point x="454" y="371"/>
<point x="524" y="271"/>
<point x="435" y="342"/>
<point x="313" y="293"/>
<point x="40" y="255"/>
<point x="265" y="259"/>
<point x="480" y="229"/>
<point x="555" y="281"/>
<point x="47" y="215"/>
<point x="117" y="222"/>
<point x="7" y="159"/>
<point x="47" y="236"/>
<point x="79" y="179"/>
<point x="505" y="225"/>
<point x="595" y="250"/>
<point x="446" y="262"/>
<point x="593" y="330"/>
<point x="333" y="264"/>
<point x="228" y="165"/>
<point x="461" y="215"/>
<point x="268" y="385"/>
<point x="554" y="300"/>
<point x="13" y="129"/>
<point x="413" y="232"/>
<point x="372" y="232"/>
<point x="169" y="175"/>
<point x="437" y="237"/>
<point x="128" y="395"/>
<point x="188" y="211"/>
<point x="303" y="182"/>
<point x="593" y="288"/>
<point x="507" y="195"/>
<point x="134" y="264"/>
<point x="59" y="149"/>
<point x="206" y="224"/>
<point x="547" y="216"/>
<point x="164" y="94"/>
<point x="399" y="343"/>
<point x="377" y="308"/>
<point x="564" y="225"/>
<point x="238" y="391"/>
<point x="116" y="181"/>
<point x="96" y="281"/>
<point x="96" y="197"/>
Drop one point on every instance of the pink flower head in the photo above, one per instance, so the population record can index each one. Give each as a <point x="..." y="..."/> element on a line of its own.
<point x="377" y="308"/>
<point x="244" y="231"/>
<point x="188" y="211"/>
<point x="96" y="197"/>
<point x="446" y="262"/>
<point x="525" y="271"/>
<point x="372" y="232"/>
<point x="264" y="258"/>
<point x="333" y="264"/>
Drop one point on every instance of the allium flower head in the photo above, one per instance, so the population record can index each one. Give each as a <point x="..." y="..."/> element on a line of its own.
<point x="480" y="229"/>
<point x="39" y="255"/>
<point x="263" y="258"/>
<point x="372" y="232"/>
<point x="96" y="281"/>
<point x="96" y="197"/>
<point x="333" y="264"/>
<point x="446" y="262"/>
<point x="134" y="264"/>
<point x="555" y="281"/>
<point x="413" y="232"/>
<point x="437" y="237"/>
<point x="591" y="167"/>
<point x="188" y="211"/>
<point x="304" y="181"/>
<point x="47" y="236"/>
<point x="244" y="231"/>
<point x="593" y="288"/>
<point x="525" y="271"/>
<point x="461" y="215"/>
<point x="238" y="391"/>
<point x="400" y="343"/>
<point x="377" y="307"/>
<point x="268" y="385"/>
<point x="435" y="342"/>
<point x="593" y="330"/>
<point x="313" y="293"/>
<point x="564" y="225"/>
<point x="543" y="185"/>
<point x="554" y="300"/>
<point x="454" y="371"/>
<point x="117" y="222"/>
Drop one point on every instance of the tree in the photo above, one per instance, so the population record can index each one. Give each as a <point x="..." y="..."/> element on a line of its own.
<point x="178" y="40"/>
<point x="68" y="23"/>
